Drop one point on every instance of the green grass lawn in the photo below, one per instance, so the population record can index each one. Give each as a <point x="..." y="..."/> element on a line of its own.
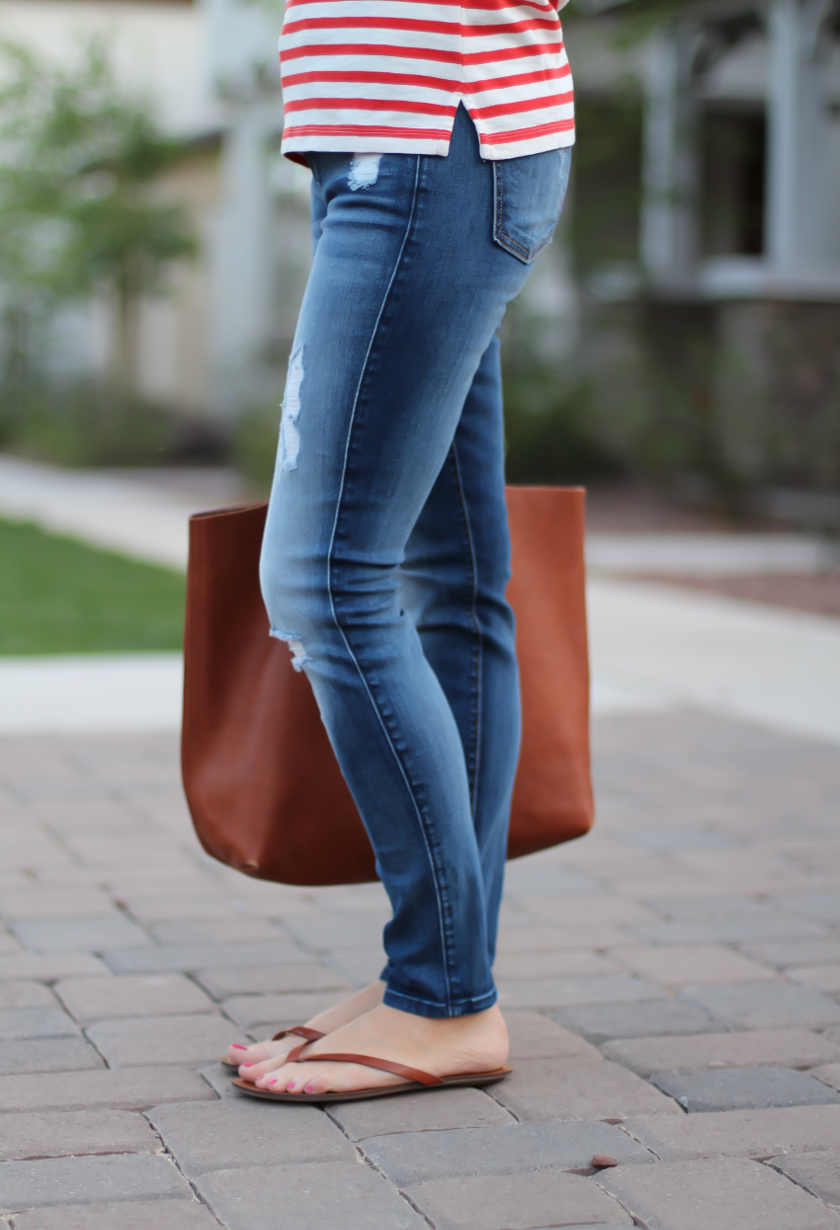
<point x="58" y="595"/>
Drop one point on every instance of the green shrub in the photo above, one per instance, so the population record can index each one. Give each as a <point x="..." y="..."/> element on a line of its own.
<point x="255" y="446"/>
<point x="550" y="432"/>
<point x="88" y="425"/>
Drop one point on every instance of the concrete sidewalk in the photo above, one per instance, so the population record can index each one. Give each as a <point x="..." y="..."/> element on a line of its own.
<point x="653" y="647"/>
<point x="143" y="514"/>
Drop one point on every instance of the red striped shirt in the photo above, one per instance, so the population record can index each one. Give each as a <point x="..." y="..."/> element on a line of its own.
<point x="386" y="76"/>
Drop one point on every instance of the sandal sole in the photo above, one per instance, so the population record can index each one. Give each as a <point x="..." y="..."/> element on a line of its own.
<point x="478" y="1080"/>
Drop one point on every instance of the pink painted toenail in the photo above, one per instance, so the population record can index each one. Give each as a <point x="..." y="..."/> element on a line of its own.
<point x="247" y="1065"/>
<point x="237" y="1046"/>
<point x="310" y="1089"/>
<point x="271" y="1082"/>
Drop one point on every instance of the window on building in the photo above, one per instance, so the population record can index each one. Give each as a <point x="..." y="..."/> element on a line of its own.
<point x="733" y="144"/>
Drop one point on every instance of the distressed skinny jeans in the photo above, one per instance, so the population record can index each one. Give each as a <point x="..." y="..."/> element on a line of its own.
<point x="386" y="550"/>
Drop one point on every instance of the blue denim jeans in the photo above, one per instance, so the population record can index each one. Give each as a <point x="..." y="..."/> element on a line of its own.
<point x="386" y="551"/>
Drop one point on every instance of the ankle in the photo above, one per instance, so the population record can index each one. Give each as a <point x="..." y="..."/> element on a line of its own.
<point x="354" y="1006"/>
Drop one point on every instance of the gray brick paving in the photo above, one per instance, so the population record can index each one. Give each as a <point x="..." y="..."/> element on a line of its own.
<point x="727" y="930"/>
<point x="268" y="1013"/>
<point x="579" y="935"/>
<point x="49" y="966"/>
<point x="821" y="950"/>
<point x="684" y="909"/>
<point x="48" y="1055"/>
<point x="417" y="1112"/>
<point x="230" y="929"/>
<point x="230" y="981"/>
<point x="729" y="1194"/>
<point x="70" y="1133"/>
<point x="8" y="944"/>
<point x="328" y="932"/>
<point x="693" y="965"/>
<point x="829" y="1073"/>
<point x="534" y="877"/>
<point x="822" y="907"/>
<point x="80" y="934"/>
<point x="311" y="1196"/>
<point x="174" y="958"/>
<point x="359" y="965"/>
<point x="203" y="907"/>
<point x="130" y="1089"/>
<point x="739" y="1133"/>
<point x="669" y="840"/>
<point x="56" y="903"/>
<point x="744" y="1089"/>
<point x="553" y="964"/>
<point x="694" y="881"/>
<point x="26" y="995"/>
<point x="36" y="1023"/>
<point x="534" y="1036"/>
<point x="219" y="1079"/>
<point x="565" y="992"/>
<point x="193" y="1039"/>
<point x="818" y="1173"/>
<point x="152" y="1215"/>
<point x="789" y="1048"/>
<point x="766" y="1005"/>
<point x="85" y="1180"/>
<point x="414" y="1157"/>
<point x="512" y="1202"/>
<point x="545" y="1090"/>
<point x="602" y="1022"/>
<point x="92" y="999"/>
<point x="245" y="1132"/>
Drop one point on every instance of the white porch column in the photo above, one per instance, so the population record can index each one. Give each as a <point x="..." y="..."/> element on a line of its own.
<point x="669" y="241"/>
<point x="241" y="53"/>
<point x="797" y="138"/>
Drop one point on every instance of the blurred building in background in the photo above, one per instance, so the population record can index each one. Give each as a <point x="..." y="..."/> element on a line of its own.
<point x="210" y="71"/>
<point x="684" y="326"/>
<point x="731" y="272"/>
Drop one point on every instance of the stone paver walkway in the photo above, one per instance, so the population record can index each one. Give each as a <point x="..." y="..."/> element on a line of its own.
<point x="672" y="984"/>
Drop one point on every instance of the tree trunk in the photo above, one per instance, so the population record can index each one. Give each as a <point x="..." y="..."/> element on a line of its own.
<point x="125" y="354"/>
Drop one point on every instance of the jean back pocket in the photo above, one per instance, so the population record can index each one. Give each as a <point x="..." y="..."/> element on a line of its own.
<point x="529" y="195"/>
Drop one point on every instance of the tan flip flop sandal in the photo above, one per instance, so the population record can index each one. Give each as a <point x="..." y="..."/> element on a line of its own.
<point x="302" y="1031"/>
<point x="415" y="1080"/>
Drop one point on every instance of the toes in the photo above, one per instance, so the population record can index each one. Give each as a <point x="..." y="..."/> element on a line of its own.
<point x="314" y="1078"/>
<point x="317" y="1082"/>
<point x="256" y="1060"/>
<point x="286" y="1078"/>
<point x="253" y="1070"/>
<point x="247" y="1054"/>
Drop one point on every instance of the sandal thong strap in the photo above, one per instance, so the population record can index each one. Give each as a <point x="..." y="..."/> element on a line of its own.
<point x="368" y="1061"/>
<point x="302" y="1031"/>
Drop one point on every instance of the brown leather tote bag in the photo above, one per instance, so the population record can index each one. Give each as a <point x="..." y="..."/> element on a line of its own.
<point x="263" y="785"/>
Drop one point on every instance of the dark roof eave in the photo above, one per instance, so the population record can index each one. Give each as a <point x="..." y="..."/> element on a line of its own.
<point x="668" y="9"/>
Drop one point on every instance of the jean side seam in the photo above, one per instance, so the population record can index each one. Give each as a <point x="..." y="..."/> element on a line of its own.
<point x="473" y="611"/>
<point x="353" y="658"/>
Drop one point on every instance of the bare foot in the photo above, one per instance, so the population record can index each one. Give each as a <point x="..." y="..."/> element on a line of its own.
<point x="447" y="1046"/>
<point x="325" y="1022"/>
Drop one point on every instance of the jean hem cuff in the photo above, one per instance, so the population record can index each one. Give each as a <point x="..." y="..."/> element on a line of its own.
<point x="422" y="1007"/>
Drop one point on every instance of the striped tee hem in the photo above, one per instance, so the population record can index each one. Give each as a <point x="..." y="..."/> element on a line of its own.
<point x="364" y="76"/>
